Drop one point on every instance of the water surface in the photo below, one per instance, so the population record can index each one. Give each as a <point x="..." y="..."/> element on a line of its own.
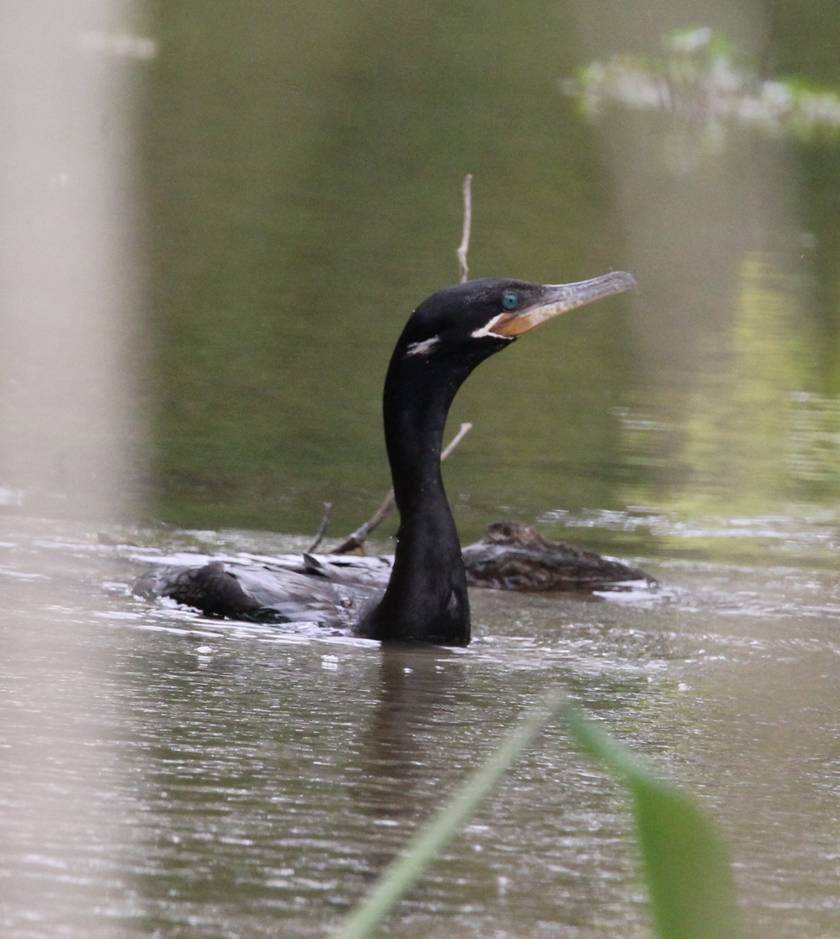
<point x="252" y="780"/>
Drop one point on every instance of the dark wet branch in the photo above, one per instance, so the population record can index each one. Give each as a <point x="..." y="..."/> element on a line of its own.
<point x="322" y="528"/>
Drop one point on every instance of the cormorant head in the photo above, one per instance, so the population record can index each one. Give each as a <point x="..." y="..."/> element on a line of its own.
<point x="473" y="320"/>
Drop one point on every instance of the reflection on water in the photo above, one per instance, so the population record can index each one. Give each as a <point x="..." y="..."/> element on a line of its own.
<point x="702" y="82"/>
<point x="259" y="777"/>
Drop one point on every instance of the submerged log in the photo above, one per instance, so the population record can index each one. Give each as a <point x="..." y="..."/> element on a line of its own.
<point x="512" y="556"/>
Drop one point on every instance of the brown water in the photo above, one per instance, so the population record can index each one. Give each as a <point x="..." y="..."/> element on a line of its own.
<point x="252" y="780"/>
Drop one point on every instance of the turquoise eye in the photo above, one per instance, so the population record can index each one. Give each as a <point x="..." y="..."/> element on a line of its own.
<point x="510" y="300"/>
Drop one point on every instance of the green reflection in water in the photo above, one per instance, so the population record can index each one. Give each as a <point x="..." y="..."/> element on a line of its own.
<point x="306" y="195"/>
<point x="754" y="439"/>
<point x="304" y="180"/>
<point x="739" y="417"/>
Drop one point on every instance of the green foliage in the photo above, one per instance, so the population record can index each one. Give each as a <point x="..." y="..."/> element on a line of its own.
<point x="685" y="860"/>
<point x="421" y="849"/>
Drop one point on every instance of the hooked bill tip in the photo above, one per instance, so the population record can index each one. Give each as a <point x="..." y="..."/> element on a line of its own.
<point x="625" y="280"/>
<point x="557" y="299"/>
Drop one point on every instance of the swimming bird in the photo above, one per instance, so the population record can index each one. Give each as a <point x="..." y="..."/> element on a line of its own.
<point x="425" y="600"/>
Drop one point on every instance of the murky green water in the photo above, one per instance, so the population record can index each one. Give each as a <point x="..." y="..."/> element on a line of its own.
<point x="302" y="172"/>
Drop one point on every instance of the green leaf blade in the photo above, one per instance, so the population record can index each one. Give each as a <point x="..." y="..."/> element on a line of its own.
<point x="685" y="859"/>
<point x="431" y="838"/>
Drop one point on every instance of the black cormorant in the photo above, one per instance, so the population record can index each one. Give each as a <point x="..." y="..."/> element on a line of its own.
<point x="446" y="337"/>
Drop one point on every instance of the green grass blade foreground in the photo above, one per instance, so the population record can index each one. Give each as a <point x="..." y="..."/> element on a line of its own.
<point x="685" y="859"/>
<point x="421" y="849"/>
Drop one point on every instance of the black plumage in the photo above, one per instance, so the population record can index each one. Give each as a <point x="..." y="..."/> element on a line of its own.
<point x="425" y="600"/>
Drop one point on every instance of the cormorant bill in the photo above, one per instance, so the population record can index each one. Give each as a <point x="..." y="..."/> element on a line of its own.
<point x="425" y="600"/>
<point x="447" y="336"/>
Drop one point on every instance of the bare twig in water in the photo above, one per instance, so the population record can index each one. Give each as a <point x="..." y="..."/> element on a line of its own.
<point x="322" y="528"/>
<point x="464" y="247"/>
<point x="355" y="540"/>
<point x="359" y="536"/>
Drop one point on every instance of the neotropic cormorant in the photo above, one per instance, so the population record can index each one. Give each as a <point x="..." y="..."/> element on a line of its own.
<point x="446" y="337"/>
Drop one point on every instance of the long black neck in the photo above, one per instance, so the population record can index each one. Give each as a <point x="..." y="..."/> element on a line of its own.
<point x="426" y="598"/>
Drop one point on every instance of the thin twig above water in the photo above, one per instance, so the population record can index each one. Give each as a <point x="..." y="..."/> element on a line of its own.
<point x="463" y="248"/>
<point x="356" y="539"/>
